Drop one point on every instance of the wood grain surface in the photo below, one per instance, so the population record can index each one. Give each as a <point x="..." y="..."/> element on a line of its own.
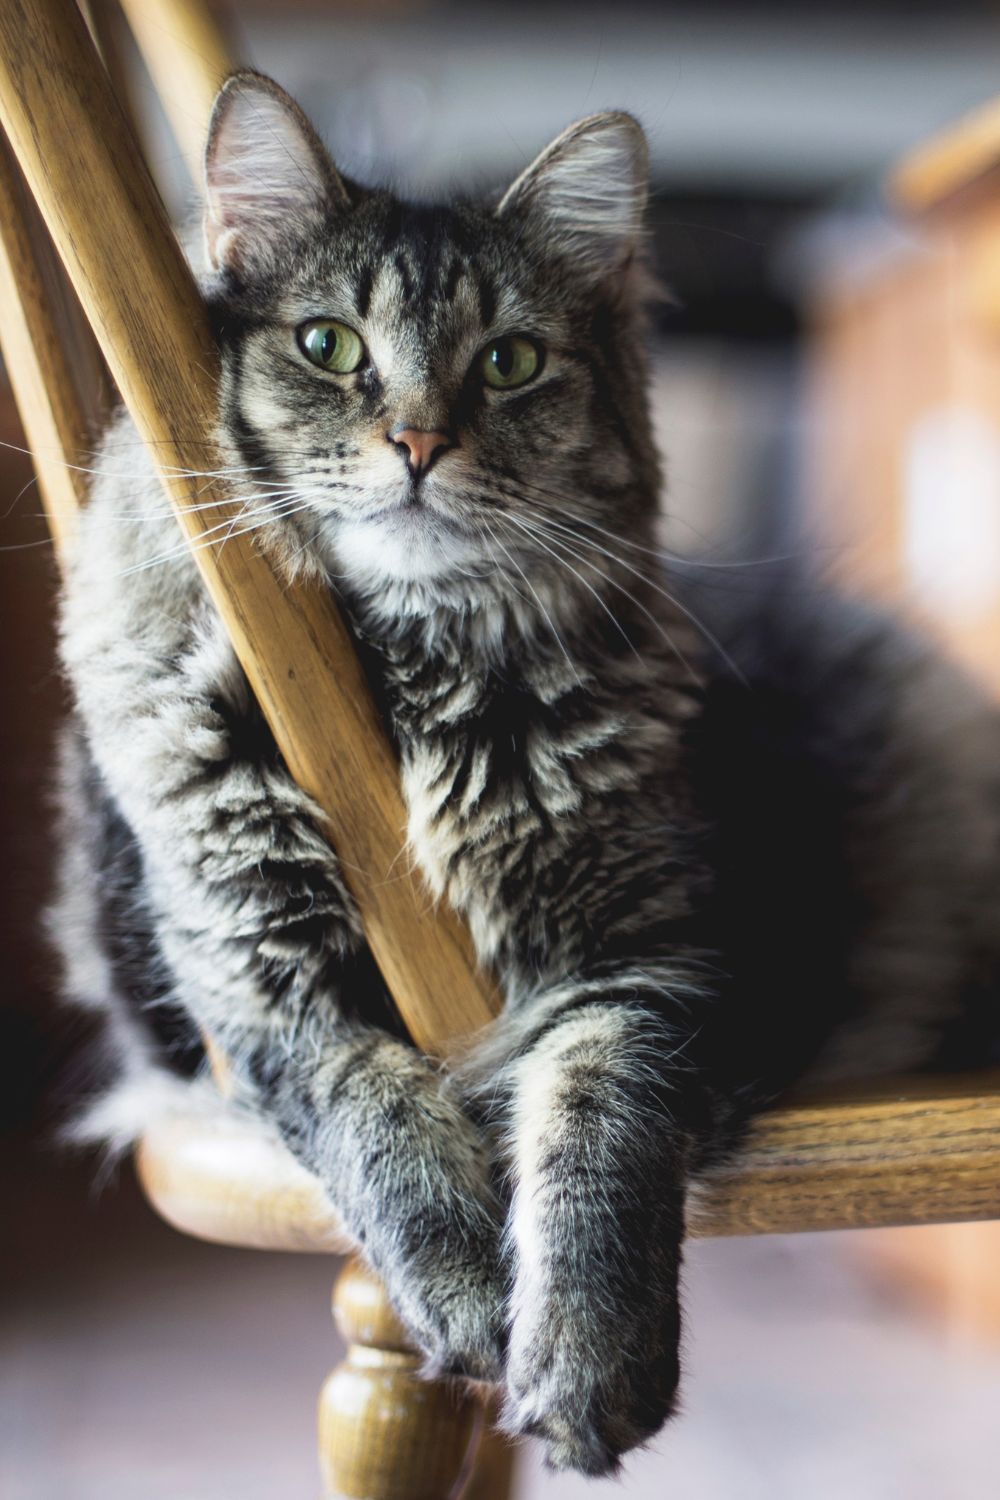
<point x="384" y="1433"/>
<point x="188" y="60"/>
<point x="102" y="211"/>
<point x="48" y="352"/>
<point x="925" y="1151"/>
<point x="916" y="1151"/>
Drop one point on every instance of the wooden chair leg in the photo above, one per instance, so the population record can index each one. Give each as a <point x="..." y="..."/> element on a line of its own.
<point x="385" y="1434"/>
<point x="494" y="1463"/>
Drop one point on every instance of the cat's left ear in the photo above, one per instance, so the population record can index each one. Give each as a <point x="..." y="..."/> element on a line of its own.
<point x="586" y="193"/>
<point x="268" y="178"/>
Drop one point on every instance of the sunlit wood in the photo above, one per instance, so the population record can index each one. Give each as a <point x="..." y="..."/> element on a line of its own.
<point x="917" y="1151"/>
<point x="49" y="353"/>
<point x="143" y="304"/>
<point x="949" y="162"/>
<point x="385" y="1434"/>
<point x="188" y="58"/>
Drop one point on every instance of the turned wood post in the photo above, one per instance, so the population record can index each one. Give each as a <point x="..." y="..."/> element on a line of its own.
<point x="385" y="1434"/>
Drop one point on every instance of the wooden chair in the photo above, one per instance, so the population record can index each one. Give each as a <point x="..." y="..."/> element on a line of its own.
<point x="902" y="466"/>
<point x="917" y="1151"/>
<point x="903" y="396"/>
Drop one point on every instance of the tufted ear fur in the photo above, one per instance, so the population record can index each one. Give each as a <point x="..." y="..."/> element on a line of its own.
<point x="268" y="178"/>
<point x="586" y="193"/>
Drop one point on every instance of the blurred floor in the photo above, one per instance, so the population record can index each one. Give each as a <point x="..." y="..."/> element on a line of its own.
<point x="138" y="1363"/>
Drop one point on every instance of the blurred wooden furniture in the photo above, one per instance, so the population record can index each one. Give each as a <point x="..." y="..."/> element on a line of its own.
<point x="914" y="1151"/>
<point x="903" y="454"/>
<point x="904" y="474"/>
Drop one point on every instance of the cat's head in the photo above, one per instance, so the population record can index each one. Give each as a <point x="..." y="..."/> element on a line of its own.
<point x="431" y="392"/>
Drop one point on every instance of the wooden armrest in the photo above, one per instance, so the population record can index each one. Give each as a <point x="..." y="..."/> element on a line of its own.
<point x="949" y="162"/>
<point x="913" y="1151"/>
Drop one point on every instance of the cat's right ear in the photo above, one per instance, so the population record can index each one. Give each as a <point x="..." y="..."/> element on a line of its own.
<point x="268" y="178"/>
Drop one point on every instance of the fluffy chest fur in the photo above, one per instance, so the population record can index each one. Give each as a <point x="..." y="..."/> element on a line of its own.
<point x="531" y="784"/>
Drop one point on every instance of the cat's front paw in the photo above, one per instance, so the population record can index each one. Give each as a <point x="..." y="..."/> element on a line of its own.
<point x="453" y="1306"/>
<point x="410" y="1175"/>
<point x="590" y="1393"/>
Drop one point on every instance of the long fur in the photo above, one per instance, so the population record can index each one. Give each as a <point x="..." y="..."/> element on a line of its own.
<point x="704" y="848"/>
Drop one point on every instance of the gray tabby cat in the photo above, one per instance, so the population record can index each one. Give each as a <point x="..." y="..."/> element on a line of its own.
<point x="697" y="871"/>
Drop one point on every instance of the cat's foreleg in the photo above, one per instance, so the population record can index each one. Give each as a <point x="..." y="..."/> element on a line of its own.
<point x="408" y="1176"/>
<point x="266" y="953"/>
<point x="599" y="1162"/>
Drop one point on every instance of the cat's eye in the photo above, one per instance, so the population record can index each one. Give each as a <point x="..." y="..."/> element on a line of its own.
<point x="509" y="362"/>
<point x="331" y="345"/>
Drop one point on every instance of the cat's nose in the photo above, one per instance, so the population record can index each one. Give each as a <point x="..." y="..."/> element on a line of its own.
<point x="422" y="449"/>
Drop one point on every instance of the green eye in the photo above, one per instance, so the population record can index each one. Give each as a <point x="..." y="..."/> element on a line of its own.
<point x="509" y="362"/>
<point x="331" y="346"/>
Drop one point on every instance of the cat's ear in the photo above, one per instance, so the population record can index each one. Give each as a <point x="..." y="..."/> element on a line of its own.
<point x="586" y="193"/>
<point x="268" y="178"/>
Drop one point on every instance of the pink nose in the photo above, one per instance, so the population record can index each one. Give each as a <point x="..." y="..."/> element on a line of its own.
<point x="422" y="448"/>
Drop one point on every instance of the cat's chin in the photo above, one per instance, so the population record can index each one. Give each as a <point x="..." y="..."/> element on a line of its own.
<point x="400" y="546"/>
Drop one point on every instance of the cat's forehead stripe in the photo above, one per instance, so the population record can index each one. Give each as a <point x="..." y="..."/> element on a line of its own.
<point x="444" y="283"/>
<point x="487" y="299"/>
<point x="454" y="276"/>
<point x="363" y="289"/>
<point x="406" y="280"/>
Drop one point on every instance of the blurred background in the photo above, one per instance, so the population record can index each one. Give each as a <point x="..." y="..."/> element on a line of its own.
<point x="827" y="382"/>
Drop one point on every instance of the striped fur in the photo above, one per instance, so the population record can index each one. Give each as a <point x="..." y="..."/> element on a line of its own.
<point x="703" y="849"/>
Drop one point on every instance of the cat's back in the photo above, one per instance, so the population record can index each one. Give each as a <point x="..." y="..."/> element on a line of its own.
<point x="850" y="774"/>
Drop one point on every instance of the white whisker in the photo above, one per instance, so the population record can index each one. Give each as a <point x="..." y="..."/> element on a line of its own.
<point x="531" y="531"/>
<point x="209" y="539"/>
<point x="689" y="614"/>
<point x="587" y="562"/>
<point x="548" y="618"/>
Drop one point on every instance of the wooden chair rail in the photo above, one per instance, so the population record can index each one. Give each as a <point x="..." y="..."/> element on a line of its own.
<point x="144" y="307"/>
<point x="917" y="1151"/>
<point x="35" y="341"/>
<point x="950" y="162"/>
<point x="188" y="60"/>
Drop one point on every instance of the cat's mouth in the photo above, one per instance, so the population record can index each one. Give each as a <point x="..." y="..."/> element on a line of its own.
<point x="413" y="513"/>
